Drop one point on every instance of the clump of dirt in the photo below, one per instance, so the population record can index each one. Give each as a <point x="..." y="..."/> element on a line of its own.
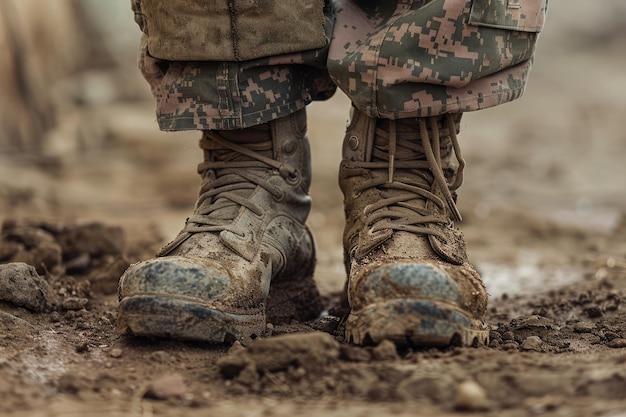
<point x="79" y="261"/>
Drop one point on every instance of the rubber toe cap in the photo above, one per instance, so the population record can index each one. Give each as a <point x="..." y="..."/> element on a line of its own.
<point x="410" y="280"/>
<point x="175" y="276"/>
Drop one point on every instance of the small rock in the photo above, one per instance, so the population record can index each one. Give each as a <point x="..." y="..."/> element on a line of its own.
<point x="471" y="397"/>
<point x="611" y="335"/>
<point x="55" y="317"/>
<point x="533" y="321"/>
<point x="74" y="303"/>
<point x="584" y="327"/>
<point x="170" y="386"/>
<point x="494" y="344"/>
<point x="22" y="286"/>
<point x="236" y="347"/>
<point x="116" y="353"/>
<point x="312" y="351"/>
<point x="533" y="343"/>
<point x="494" y="334"/>
<point x="328" y="324"/>
<point x="508" y="336"/>
<point x="510" y="345"/>
<point x="161" y="356"/>
<point x="617" y="343"/>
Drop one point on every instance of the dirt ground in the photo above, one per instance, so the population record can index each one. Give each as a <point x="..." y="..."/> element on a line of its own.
<point x="544" y="215"/>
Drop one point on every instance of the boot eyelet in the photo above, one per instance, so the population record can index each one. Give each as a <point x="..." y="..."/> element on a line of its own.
<point x="353" y="142"/>
<point x="289" y="147"/>
<point x="293" y="178"/>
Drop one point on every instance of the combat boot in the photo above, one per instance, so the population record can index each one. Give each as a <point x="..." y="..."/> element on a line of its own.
<point x="246" y="248"/>
<point x="409" y="278"/>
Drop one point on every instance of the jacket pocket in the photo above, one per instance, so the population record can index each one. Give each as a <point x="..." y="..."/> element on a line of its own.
<point x="229" y="30"/>
<point x="519" y="15"/>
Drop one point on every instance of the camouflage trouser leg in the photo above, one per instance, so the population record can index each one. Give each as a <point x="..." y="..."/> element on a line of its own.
<point x="427" y="57"/>
<point x="394" y="59"/>
<point x="229" y="64"/>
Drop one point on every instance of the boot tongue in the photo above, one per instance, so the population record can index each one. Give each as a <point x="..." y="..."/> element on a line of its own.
<point x="398" y="147"/>
<point x="399" y="151"/>
<point x="257" y="139"/>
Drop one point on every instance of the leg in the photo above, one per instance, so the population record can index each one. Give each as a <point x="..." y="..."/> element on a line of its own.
<point x="245" y="255"/>
<point x="411" y="69"/>
<point x="409" y="279"/>
<point x="247" y="234"/>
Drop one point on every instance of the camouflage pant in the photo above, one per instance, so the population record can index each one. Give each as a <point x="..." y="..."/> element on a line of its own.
<point x="235" y="64"/>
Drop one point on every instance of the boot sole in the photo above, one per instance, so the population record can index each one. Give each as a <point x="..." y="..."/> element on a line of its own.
<point x="160" y="316"/>
<point x="415" y="323"/>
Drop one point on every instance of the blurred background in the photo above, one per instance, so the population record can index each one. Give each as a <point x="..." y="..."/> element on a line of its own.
<point x="79" y="142"/>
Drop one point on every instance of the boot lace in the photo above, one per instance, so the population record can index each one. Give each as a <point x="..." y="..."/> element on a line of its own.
<point x="406" y="169"/>
<point x="230" y="173"/>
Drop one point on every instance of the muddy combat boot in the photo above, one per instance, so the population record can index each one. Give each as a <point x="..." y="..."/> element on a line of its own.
<point x="409" y="279"/>
<point x="245" y="247"/>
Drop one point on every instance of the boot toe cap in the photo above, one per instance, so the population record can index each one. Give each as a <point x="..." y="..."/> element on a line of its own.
<point x="175" y="276"/>
<point x="410" y="280"/>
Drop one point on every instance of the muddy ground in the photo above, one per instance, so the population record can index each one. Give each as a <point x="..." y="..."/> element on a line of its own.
<point x="544" y="208"/>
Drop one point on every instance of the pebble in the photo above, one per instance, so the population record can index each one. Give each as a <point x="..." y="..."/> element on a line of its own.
<point x="510" y="345"/>
<point x="236" y="347"/>
<point x="533" y="321"/>
<point x="507" y="336"/>
<point x="617" y="343"/>
<point x="470" y="397"/>
<point x="328" y="324"/>
<point x="55" y="317"/>
<point x="160" y="356"/>
<point x="584" y="327"/>
<point x="21" y="285"/>
<point x="170" y="386"/>
<point x="533" y="343"/>
<point x="116" y="353"/>
<point x="494" y="344"/>
<point x="74" y="303"/>
<point x="311" y="351"/>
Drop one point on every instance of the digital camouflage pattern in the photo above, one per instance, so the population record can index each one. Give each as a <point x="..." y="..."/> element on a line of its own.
<point x="422" y="58"/>
<point x="408" y="58"/>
